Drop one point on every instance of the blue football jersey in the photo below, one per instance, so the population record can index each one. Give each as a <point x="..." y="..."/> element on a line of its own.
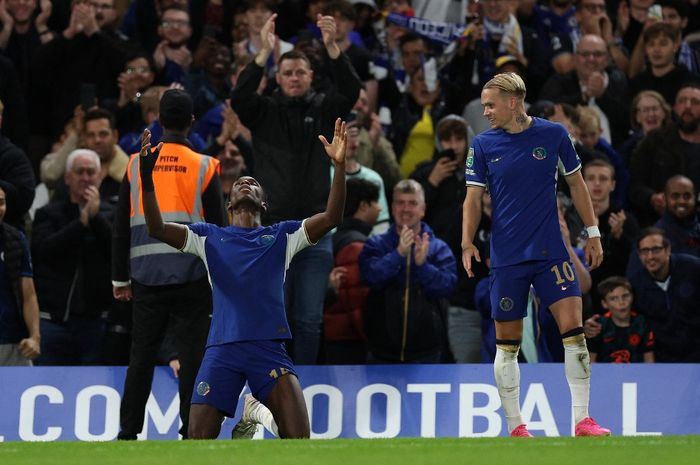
<point x="247" y="268"/>
<point x="521" y="173"/>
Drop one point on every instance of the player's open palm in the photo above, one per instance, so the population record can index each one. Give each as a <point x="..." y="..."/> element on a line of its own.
<point x="148" y="158"/>
<point x="336" y="148"/>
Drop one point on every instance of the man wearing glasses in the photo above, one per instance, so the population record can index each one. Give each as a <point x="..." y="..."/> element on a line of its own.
<point x="667" y="292"/>
<point x="594" y="82"/>
<point x="171" y="56"/>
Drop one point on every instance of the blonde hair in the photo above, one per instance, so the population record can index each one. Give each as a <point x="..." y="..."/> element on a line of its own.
<point x="588" y="119"/>
<point x="508" y="83"/>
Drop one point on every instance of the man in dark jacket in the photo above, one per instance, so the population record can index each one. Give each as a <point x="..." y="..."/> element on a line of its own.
<point x="680" y="220"/>
<point x="670" y="150"/>
<point x="291" y="163"/>
<point x="410" y="273"/>
<point x="16" y="179"/>
<point x="71" y="245"/>
<point x="443" y="183"/>
<point x="595" y="83"/>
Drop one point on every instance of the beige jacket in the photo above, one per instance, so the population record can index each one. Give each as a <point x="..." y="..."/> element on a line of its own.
<point x="53" y="165"/>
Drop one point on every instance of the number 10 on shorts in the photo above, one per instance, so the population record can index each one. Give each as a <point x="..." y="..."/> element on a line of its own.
<point x="564" y="269"/>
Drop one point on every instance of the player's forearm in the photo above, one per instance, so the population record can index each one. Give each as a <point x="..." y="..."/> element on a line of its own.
<point x="151" y="211"/>
<point x="471" y="216"/>
<point x="582" y="201"/>
<point x="336" y="197"/>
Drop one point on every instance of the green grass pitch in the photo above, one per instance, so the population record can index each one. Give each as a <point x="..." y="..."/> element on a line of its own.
<point x="657" y="450"/>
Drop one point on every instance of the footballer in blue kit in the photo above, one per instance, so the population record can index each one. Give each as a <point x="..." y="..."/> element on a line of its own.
<point x="520" y="160"/>
<point x="247" y="263"/>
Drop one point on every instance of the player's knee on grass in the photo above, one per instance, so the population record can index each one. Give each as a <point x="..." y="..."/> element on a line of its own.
<point x="287" y="404"/>
<point x="204" y="422"/>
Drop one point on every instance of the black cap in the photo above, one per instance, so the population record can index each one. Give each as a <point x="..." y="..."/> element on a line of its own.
<point x="176" y="109"/>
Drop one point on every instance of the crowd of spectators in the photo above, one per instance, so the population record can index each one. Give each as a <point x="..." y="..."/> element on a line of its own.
<point x="81" y="80"/>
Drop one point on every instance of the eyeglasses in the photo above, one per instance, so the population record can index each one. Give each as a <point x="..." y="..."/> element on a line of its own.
<point x="137" y="70"/>
<point x="652" y="250"/>
<point x="619" y="298"/>
<point x="591" y="54"/>
<point x="593" y="7"/>
<point x="174" y="23"/>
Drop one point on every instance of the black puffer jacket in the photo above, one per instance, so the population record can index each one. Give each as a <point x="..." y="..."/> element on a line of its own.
<point x="71" y="261"/>
<point x="290" y="162"/>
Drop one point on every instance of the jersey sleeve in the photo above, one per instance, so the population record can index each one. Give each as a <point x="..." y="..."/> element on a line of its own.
<point x="196" y="237"/>
<point x="567" y="153"/>
<point x="297" y="240"/>
<point x="475" y="166"/>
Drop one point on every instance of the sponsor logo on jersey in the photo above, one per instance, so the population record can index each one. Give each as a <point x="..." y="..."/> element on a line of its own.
<point x="506" y="304"/>
<point x="267" y="239"/>
<point x="470" y="157"/>
<point x="539" y="153"/>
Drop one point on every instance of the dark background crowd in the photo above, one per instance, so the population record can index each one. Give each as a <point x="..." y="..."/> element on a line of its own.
<point x="81" y="80"/>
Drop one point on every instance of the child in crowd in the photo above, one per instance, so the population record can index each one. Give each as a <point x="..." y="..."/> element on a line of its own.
<point x="625" y="336"/>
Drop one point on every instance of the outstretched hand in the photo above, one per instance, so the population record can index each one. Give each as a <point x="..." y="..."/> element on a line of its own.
<point x="336" y="148"/>
<point x="148" y="158"/>
<point x="267" y="33"/>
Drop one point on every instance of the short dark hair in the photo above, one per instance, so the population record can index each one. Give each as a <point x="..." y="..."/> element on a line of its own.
<point x="99" y="113"/>
<point x="176" y="7"/>
<point x="653" y="231"/>
<point x="608" y="285"/>
<point x="358" y="191"/>
<point x="681" y="6"/>
<point x="451" y="127"/>
<point x="250" y="4"/>
<point x="295" y="55"/>
<point x="661" y="29"/>
<point x="136" y="54"/>
<point x="409" y="37"/>
<point x="342" y="8"/>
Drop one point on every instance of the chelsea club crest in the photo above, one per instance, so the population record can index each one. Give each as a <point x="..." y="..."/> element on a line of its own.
<point x="539" y="153"/>
<point x="506" y="304"/>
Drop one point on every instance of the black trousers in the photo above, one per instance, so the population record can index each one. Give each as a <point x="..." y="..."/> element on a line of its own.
<point x="188" y="306"/>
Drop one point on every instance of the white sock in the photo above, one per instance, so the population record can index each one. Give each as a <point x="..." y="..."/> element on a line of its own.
<point x="507" y="373"/>
<point x="262" y="415"/>
<point x="577" y="364"/>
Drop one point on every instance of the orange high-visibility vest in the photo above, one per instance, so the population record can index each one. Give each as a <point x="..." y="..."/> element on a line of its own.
<point x="180" y="176"/>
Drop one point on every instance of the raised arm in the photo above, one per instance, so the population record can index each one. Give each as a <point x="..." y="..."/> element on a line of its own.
<point x="172" y="234"/>
<point x="318" y="225"/>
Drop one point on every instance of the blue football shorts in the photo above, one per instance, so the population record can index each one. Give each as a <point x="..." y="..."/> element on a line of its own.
<point x="509" y="286"/>
<point x="226" y="368"/>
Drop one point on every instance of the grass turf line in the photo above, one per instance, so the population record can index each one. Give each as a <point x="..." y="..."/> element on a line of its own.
<point x="674" y="450"/>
